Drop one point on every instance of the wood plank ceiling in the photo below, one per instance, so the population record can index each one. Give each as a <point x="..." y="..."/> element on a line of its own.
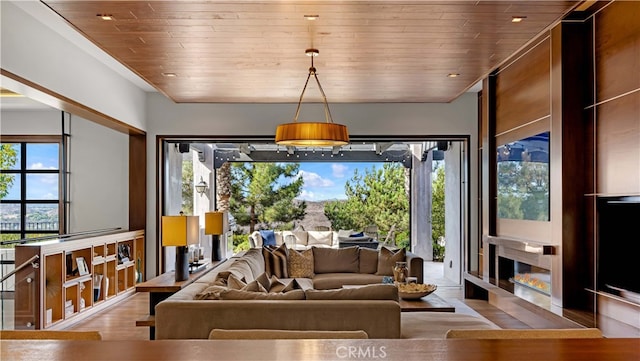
<point x="253" y="51"/>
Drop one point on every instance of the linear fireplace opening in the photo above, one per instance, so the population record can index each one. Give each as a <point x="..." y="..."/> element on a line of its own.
<point x="529" y="282"/>
<point x="619" y="246"/>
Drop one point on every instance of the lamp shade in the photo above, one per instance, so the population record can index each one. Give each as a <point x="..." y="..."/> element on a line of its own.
<point x="312" y="134"/>
<point x="180" y="230"/>
<point x="214" y="223"/>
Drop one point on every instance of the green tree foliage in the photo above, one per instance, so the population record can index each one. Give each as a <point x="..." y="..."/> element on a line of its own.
<point x="438" y="213"/>
<point x="8" y="158"/>
<point x="187" y="186"/>
<point x="523" y="190"/>
<point x="375" y="197"/>
<point x="263" y="194"/>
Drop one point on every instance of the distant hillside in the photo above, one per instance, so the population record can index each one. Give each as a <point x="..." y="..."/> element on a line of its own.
<point x="314" y="217"/>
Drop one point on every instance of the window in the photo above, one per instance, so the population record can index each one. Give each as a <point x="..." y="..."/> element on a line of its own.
<point x="30" y="187"/>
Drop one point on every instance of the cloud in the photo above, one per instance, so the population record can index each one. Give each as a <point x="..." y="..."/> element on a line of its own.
<point x="39" y="165"/>
<point x="306" y="195"/>
<point x="338" y="170"/>
<point x="48" y="178"/>
<point x="314" y="179"/>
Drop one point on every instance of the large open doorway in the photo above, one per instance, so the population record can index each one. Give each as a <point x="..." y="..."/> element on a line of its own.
<point x="434" y="180"/>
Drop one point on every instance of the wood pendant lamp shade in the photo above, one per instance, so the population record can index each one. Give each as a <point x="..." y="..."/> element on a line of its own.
<point x="312" y="134"/>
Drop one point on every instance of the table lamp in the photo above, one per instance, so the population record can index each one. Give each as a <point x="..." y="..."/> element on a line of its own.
<point x="214" y="225"/>
<point x="180" y="231"/>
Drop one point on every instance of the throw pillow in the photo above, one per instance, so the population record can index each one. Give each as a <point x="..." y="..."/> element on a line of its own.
<point x="244" y="295"/>
<point x="210" y="293"/>
<point x="370" y="292"/>
<point x="300" y="264"/>
<point x="345" y="233"/>
<point x="281" y="285"/>
<point x="275" y="261"/>
<point x="254" y="286"/>
<point x="360" y="234"/>
<point x="264" y="280"/>
<point x="387" y="260"/>
<point x="331" y="260"/>
<point x="268" y="237"/>
<point x="235" y="283"/>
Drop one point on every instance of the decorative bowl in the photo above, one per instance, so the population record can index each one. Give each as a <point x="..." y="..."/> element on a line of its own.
<point x="414" y="291"/>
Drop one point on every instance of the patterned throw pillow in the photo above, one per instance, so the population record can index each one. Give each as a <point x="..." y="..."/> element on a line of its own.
<point x="387" y="260"/>
<point x="275" y="261"/>
<point x="300" y="264"/>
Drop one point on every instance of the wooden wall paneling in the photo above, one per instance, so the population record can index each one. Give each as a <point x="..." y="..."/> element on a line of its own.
<point x="522" y="89"/>
<point x="617" y="44"/>
<point x="137" y="182"/>
<point x="575" y="91"/>
<point x="618" y="145"/>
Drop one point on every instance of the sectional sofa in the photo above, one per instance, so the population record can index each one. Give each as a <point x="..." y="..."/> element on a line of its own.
<point x="245" y="293"/>
<point x="303" y="240"/>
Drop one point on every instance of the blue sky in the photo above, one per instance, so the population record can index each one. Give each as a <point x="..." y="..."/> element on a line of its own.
<point x="39" y="186"/>
<point x="323" y="181"/>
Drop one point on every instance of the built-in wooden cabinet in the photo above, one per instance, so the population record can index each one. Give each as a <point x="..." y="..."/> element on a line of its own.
<point x="70" y="279"/>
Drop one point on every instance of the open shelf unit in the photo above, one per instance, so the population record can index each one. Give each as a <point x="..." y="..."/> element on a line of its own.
<point x="78" y="277"/>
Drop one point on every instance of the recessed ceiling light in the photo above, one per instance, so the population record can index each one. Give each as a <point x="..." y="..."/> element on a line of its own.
<point x="170" y="75"/>
<point x="311" y="17"/>
<point x="453" y="75"/>
<point x="517" y="19"/>
<point x="105" y="16"/>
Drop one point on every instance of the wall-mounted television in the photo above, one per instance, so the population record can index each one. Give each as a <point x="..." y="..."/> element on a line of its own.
<point x="523" y="178"/>
<point x="618" y="246"/>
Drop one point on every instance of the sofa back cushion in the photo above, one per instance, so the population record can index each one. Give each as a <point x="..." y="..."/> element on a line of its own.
<point x="254" y="258"/>
<point x="241" y="269"/>
<point x="369" y="292"/>
<point x="368" y="260"/>
<point x="387" y="260"/>
<point x="332" y="260"/>
<point x="320" y="238"/>
<point x="247" y="295"/>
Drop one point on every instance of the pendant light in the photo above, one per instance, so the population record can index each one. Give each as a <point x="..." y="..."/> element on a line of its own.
<point x="327" y="133"/>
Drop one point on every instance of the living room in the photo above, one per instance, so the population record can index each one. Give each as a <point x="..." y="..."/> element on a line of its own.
<point x="141" y="116"/>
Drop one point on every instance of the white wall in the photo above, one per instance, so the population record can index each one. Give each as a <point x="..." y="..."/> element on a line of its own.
<point x="98" y="165"/>
<point x="40" y="122"/>
<point x="38" y="53"/>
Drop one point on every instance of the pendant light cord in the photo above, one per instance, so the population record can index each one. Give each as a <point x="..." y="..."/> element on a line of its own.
<point x="327" y="111"/>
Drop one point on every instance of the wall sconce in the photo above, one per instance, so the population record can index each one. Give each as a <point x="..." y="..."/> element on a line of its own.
<point x="201" y="187"/>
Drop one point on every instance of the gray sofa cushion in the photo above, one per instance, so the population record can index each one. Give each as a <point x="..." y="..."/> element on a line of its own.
<point x="330" y="260"/>
<point x="370" y="292"/>
<point x="368" y="260"/>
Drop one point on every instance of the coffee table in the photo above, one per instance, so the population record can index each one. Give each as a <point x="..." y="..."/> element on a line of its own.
<point x="429" y="303"/>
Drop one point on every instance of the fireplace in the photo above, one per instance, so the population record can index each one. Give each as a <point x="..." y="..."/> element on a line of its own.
<point x="524" y="269"/>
